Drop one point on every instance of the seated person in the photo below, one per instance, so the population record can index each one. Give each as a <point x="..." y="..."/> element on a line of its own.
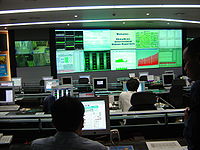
<point x="48" y="103"/>
<point x="125" y="97"/>
<point x="67" y="117"/>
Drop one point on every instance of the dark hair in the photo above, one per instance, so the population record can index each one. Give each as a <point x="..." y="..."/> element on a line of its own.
<point x="67" y="113"/>
<point x="194" y="46"/>
<point x="132" y="84"/>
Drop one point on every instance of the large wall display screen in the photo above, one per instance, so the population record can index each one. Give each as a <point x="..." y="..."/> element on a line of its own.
<point x="32" y="53"/>
<point x="104" y="49"/>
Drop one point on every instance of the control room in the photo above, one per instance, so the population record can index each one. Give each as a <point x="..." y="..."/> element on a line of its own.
<point x="122" y="60"/>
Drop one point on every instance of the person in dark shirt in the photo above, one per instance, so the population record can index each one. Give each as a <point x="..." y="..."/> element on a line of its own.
<point x="191" y="57"/>
<point x="68" y="119"/>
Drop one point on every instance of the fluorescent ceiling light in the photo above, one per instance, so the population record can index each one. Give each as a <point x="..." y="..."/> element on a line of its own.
<point x="94" y="7"/>
<point x="102" y="20"/>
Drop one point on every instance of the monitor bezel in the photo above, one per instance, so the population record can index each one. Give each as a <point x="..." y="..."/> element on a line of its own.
<point x="99" y="89"/>
<point x="14" y="82"/>
<point x="85" y="76"/>
<point x="167" y="74"/>
<point x="61" y="79"/>
<point x="45" y="84"/>
<point x="13" y="95"/>
<point x="100" y="131"/>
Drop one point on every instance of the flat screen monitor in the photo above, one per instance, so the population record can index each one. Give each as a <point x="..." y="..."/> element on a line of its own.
<point x="100" y="83"/>
<point x="150" y="78"/>
<point x="7" y="95"/>
<point x="50" y="84"/>
<point x="32" y="53"/>
<point x="96" y="117"/>
<point x="167" y="79"/>
<point x="47" y="78"/>
<point x="17" y="81"/>
<point x="66" y="80"/>
<point x="110" y="50"/>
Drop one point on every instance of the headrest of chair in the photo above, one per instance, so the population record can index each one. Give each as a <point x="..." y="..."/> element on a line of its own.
<point x="143" y="98"/>
<point x="83" y="80"/>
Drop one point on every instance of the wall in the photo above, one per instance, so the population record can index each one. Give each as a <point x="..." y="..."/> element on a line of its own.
<point x="34" y="74"/>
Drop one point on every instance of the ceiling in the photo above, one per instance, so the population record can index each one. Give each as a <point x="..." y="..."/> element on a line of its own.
<point x="111" y="17"/>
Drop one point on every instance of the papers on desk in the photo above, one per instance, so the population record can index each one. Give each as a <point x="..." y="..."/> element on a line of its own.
<point x="164" y="145"/>
<point x="127" y="147"/>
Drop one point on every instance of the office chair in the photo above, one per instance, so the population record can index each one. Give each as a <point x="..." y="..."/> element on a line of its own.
<point x="177" y="96"/>
<point x="48" y="103"/>
<point x="86" y="87"/>
<point x="143" y="78"/>
<point x="83" y="80"/>
<point x="143" y="101"/>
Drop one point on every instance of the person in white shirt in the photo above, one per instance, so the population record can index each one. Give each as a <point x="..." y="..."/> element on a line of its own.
<point x="125" y="97"/>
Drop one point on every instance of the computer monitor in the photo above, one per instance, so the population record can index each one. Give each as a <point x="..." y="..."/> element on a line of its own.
<point x="100" y="83"/>
<point x="150" y="78"/>
<point x="47" y="78"/>
<point x="167" y="79"/>
<point x="96" y="117"/>
<point x="7" y="95"/>
<point x="66" y="80"/>
<point x="17" y="82"/>
<point x="50" y="84"/>
<point x="85" y="76"/>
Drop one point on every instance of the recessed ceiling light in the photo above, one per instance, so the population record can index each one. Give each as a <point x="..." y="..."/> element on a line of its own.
<point x="179" y="13"/>
<point x="147" y="14"/>
<point x="75" y="16"/>
<point x="5" y="28"/>
<point x="68" y="24"/>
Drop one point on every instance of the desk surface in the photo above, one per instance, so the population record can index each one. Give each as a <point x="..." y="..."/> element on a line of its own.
<point x="137" y="145"/>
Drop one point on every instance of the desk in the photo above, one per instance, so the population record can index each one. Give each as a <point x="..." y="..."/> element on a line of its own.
<point x="137" y="145"/>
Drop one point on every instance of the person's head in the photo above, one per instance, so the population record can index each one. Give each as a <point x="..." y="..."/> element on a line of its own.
<point x="132" y="84"/>
<point x="191" y="55"/>
<point x="67" y="114"/>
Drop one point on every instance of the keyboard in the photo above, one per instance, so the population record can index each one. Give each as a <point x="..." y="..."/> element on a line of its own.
<point x="6" y="139"/>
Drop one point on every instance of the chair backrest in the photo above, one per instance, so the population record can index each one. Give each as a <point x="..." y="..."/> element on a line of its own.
<point x="143" y="78"/>
<point x="143" y="101"/>
<point x="83" y="81"/>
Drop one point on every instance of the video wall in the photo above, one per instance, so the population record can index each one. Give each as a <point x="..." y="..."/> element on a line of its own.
<point x="32" y="53"/>
<point x="105" y="50"/>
